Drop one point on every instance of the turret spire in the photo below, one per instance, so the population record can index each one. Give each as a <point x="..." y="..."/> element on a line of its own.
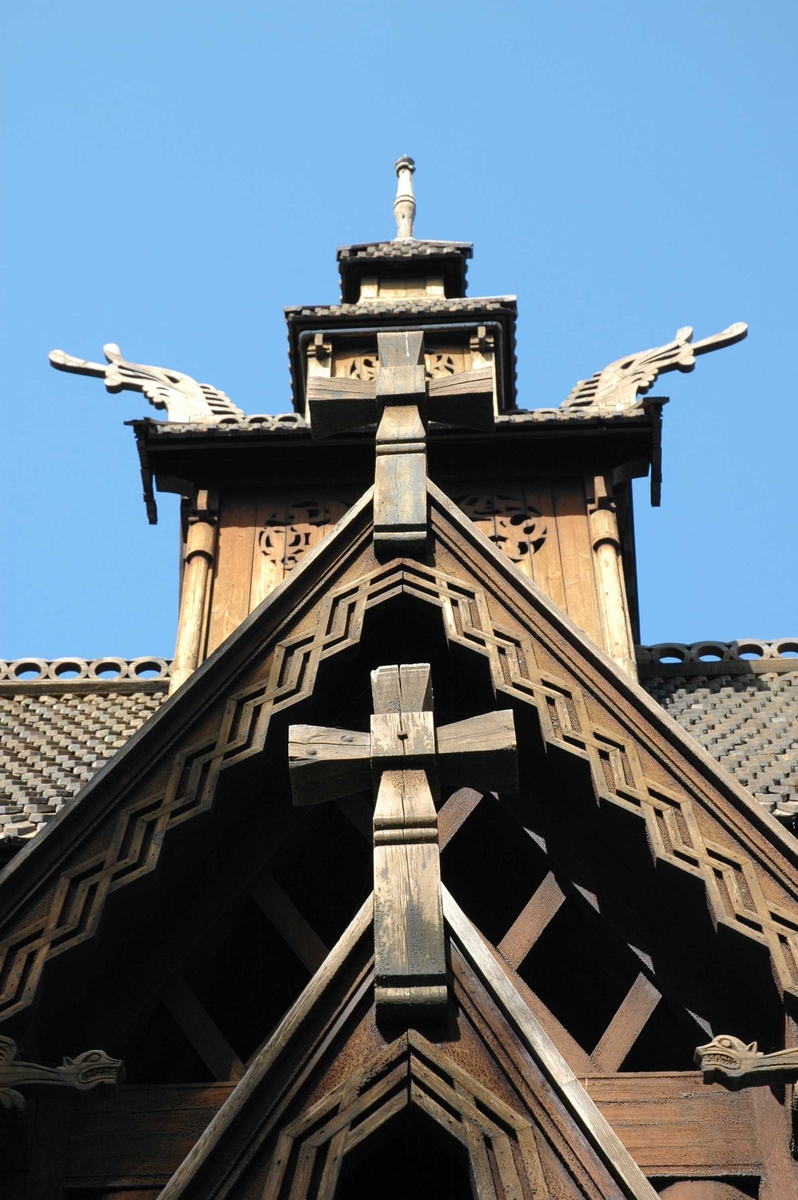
<point x="404" y="206"/>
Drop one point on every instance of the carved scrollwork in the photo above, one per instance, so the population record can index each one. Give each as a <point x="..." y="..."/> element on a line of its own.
<point x="290" y="533"/>
<point x="365" y="366"/>
<point x="439" y="366"/>
<point x="516" y="528"/>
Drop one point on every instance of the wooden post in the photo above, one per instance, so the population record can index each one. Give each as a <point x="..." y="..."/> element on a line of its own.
<point x="404" y="757"/>
<point x="199" y="558"/>
<point x="606" y="542"/>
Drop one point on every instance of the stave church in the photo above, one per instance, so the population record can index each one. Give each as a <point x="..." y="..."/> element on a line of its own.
<point x="412" y="874"/>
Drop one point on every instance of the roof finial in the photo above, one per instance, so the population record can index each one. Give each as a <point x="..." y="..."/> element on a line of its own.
<point x="404" y="206"/>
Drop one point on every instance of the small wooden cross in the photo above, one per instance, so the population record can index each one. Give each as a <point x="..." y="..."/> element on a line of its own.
<point x="401" y="400"/>
<point x="405" y="758"/>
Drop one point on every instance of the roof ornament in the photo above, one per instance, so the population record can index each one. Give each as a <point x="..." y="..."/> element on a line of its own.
<point x="619" y="385"/>
<point x="185" y="400"/>
<point x="404" y="206"/>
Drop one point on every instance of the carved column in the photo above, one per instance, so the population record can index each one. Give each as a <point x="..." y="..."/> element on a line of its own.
<point x="614" y="607"/>
<point x="198" y="563"/>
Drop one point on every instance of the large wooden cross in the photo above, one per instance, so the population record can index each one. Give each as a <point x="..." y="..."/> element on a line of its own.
<point x="401" y="400"/>
<point x="405" y="758"/>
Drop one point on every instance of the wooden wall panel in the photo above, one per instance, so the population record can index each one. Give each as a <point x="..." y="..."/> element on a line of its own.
<point x="262" y="537"/>
<point x="576" y="554"/>
<point x="232" y="576"/>
<point x="673" y="1123"/>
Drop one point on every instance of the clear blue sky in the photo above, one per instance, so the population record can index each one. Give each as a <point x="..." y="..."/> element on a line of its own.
<point x="175" y="174"/>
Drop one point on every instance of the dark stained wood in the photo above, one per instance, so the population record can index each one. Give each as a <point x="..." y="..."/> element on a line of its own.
<point x="627" y="1025"/>
<point x="203" y="1033"/>
<point x="288" y="920"/>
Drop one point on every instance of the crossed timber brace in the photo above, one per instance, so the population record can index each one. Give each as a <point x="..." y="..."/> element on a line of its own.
<point x="405" y="758"/>
<point x="401" y="400"/>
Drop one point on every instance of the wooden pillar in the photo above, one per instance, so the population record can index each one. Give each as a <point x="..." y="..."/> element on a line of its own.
<point x="198" y="562"/>
<point x="614" y="607"/>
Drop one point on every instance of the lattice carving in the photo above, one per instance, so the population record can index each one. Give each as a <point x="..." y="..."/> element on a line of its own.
<point x="290" y="533"/>
<point x="734" y="895"/>
<point x="500" y="1143"/>
<point x="436" y="365"/>
<point x="514" y="526"/>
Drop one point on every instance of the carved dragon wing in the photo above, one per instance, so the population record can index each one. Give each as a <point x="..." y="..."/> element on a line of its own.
<point x="184" y="399"/>
<point x="618" y="386"/>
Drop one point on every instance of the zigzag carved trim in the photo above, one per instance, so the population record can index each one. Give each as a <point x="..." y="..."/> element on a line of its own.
<point x="409" y="1071"/>
<point x="733" y="891"/>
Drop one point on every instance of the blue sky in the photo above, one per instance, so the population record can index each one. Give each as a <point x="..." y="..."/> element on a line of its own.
<point x="175" y="174"/>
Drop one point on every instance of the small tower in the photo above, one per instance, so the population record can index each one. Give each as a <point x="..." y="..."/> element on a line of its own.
<point x="550" y="487"/>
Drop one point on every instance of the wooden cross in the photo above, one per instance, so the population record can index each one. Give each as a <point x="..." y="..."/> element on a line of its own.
<point x="404" y="758"/>
<point x="401" y="400"/>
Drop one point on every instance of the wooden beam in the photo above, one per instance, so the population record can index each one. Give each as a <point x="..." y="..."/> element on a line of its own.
<point x="289" y="922"/>
<point x="203" y="1033"/>
<point x="627" y="1025"/>
<point x="454" y="812"/>
<point x="531" y="921"/>
<point x="565" y="1083"/>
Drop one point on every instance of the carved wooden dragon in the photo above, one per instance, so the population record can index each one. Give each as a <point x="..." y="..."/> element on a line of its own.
<point x="727" y="1055"/>
<point x="89" y="1069"/>
<point x="184" y="399"/>
<point x="619" y="385"/>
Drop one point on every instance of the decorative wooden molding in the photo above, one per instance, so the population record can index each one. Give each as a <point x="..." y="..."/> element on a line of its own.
<point x="410" y="1071"/>
<point x="88" y="1070"/>
<point x="732" y="1059"/>
<point x="184" y="399"/>
<point x="618" y="386"/>
<point x="401" y="399"/>
<point x="406" y="758"/>
<point x="91" y="671"/>
<point x="568" y="718"/>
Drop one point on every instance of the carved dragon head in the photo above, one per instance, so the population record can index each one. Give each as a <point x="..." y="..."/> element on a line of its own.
<point x="728" y="1055"/>
<point x="93" y="1067"/>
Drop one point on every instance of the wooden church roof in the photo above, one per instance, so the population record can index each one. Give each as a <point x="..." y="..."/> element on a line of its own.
<point x="624" y="829"/>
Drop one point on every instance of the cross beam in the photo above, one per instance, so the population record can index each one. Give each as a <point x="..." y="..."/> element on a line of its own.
<point x="405" y="758"/>
<point x="400" y="401"/>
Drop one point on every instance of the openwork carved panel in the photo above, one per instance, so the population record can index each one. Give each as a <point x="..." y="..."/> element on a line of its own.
<point x="509" y="521"/>
<point x="291" y="530"/>
<point x="501" y="1147"/>
<point x="438" y="364"/>
<point x="734" y="895"/>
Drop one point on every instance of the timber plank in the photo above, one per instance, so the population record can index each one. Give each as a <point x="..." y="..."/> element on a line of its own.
<point x="547" y="570"/>
<point x="531" y="921"/>
<point x="576" y="554"/>
<point x="232" y="576"/>
<point x="673" y="1123"/>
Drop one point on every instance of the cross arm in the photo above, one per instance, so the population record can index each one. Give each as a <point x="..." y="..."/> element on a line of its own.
<point x="480" y="752"/>
<point x="465" y="398"/>
<point x="337" y="405"/>
<point x="328" y="764"/>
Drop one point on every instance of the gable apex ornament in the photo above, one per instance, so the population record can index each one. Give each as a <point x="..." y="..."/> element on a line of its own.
<point x="619" y="386"/>
<point x="185" y="400"/>
<point x="404" y="206"/>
